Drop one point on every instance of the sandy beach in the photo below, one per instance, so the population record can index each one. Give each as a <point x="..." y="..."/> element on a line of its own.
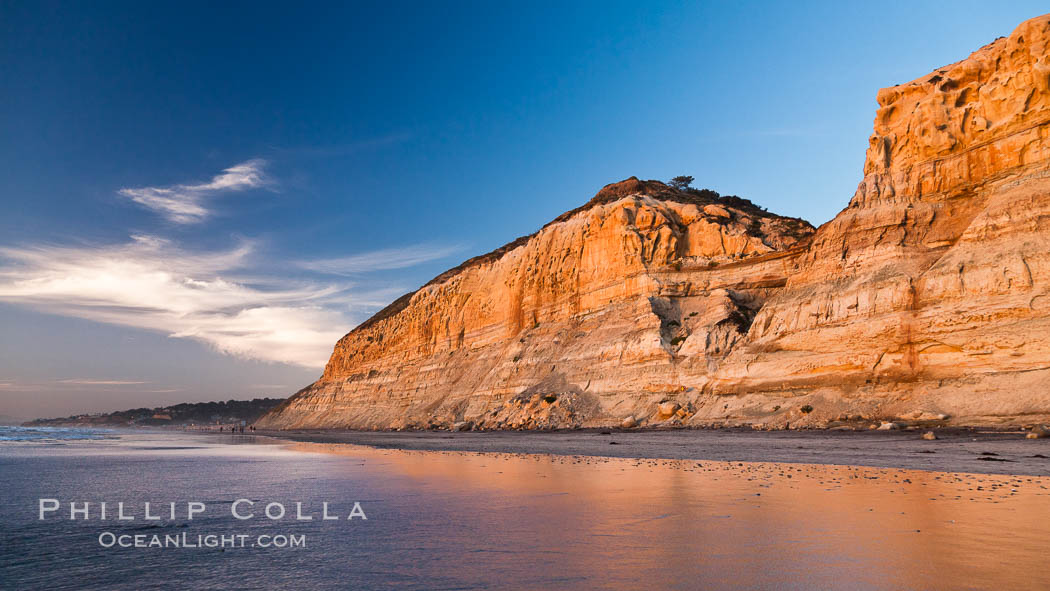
<point x="957" y="450"/>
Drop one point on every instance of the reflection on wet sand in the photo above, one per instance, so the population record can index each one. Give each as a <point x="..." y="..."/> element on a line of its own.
<point x="679" y="523"/>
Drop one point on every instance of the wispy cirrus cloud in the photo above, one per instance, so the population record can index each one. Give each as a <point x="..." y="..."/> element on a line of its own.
<point x="218" y="297"/>
<point x="153" y="284"/>
<point x="184" y="204"/>
<point x="381" y="260"/>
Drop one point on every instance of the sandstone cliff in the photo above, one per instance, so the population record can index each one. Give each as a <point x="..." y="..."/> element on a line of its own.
<point x="929" y="292"/>
<point x="926" y="298"/>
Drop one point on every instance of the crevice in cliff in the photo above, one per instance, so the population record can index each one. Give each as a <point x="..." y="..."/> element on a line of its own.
<point x="721" y="320"/>
<point x="733" y="329"/>
<point x="672" y="331"/>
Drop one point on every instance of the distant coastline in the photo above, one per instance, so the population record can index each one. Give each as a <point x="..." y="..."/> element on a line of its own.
<point x="229" y="412"/>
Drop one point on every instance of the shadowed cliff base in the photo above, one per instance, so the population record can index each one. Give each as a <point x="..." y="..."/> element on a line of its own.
<point x="926" y="298"/>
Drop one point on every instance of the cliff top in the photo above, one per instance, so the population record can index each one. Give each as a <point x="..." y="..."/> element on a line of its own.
<point x="608" y="194"/>
<point x="1001" y="89"/>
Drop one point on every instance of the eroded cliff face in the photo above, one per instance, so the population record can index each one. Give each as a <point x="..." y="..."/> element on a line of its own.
<point x="927" y="297"/>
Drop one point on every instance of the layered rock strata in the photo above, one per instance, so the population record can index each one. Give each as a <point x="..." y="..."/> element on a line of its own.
<point x="929" y="292"/>
<point x="927" y="298"/>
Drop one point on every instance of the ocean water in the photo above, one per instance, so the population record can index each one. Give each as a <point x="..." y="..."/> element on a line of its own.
<point x="443" y="520"/>
<point x="51" y="434"/>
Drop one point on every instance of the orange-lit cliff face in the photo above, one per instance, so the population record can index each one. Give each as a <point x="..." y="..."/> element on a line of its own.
<point x="927" y="295"/>
<point x="930" y="291"/>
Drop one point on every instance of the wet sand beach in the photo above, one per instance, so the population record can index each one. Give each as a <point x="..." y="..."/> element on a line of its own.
<point x="677" y="523"/>
<point x="956" y="450"/>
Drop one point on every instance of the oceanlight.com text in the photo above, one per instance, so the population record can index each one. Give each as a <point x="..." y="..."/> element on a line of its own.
<point x="184" y="540"/>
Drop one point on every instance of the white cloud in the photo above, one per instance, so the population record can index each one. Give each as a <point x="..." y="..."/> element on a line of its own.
<point x="184" y="204"/>
<point x="390" y="258"/>
<point x="151" y="283"/>
<point x="216" y="297"/>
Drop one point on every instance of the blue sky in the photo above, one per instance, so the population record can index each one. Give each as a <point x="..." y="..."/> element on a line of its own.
<point x="199" y="198"/>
